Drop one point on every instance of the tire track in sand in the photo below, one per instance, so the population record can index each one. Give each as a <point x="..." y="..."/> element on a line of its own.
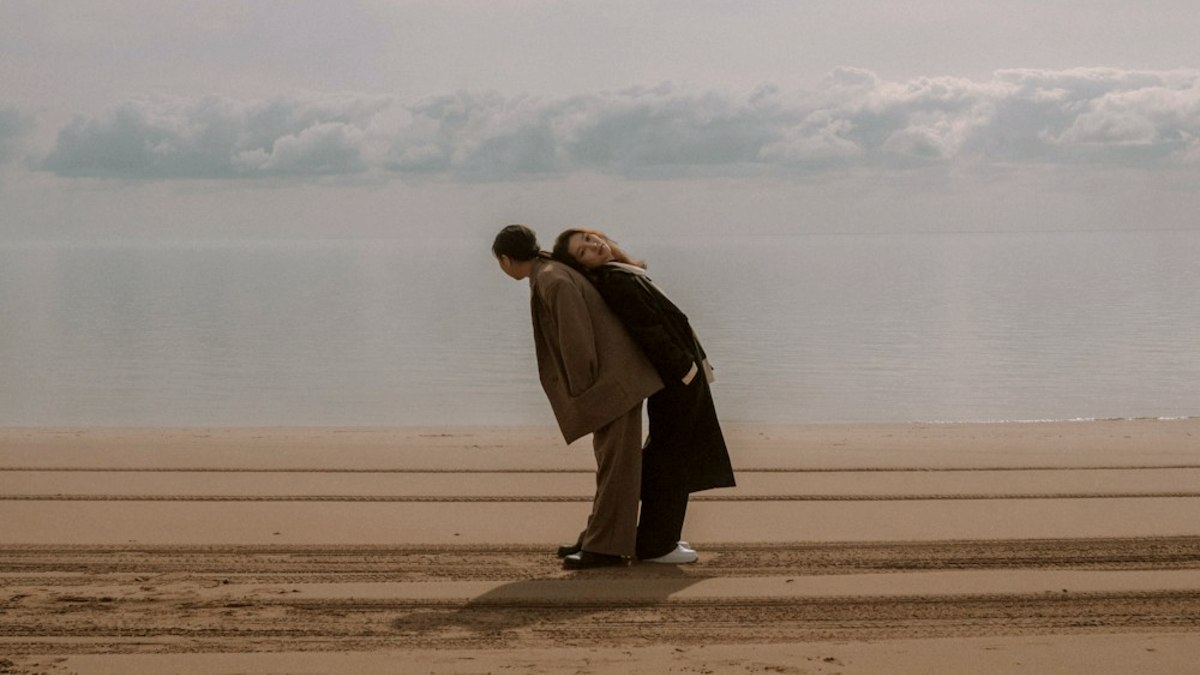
<point x="442" y="470"/>
<point x="528" y="499"/>
<point x="124" y="599"/>
<point x="82" y="564"/>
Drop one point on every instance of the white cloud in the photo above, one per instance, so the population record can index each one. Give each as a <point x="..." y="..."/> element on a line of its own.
<point x="1162" y="117"/>
<point x="213" y="137"/>
<point x="324" y="148"/>
<point x="854" y="119"/>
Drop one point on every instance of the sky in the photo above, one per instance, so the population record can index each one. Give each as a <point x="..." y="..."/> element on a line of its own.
<point x="255" y="119"/>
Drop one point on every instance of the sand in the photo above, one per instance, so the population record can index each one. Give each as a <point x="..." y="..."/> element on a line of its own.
<point x="1064" y="547"/>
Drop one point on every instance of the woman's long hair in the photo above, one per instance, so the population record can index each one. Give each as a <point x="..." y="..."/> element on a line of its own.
<point x="561" y="253"/>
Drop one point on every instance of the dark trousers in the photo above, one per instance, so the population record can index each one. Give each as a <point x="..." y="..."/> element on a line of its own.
<point x="661" y="522"/>
<point x="666" y="460"/>
<point x="664" y="489"/>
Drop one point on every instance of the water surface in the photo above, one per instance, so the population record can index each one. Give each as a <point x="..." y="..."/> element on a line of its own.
<point x="823" y="328"/>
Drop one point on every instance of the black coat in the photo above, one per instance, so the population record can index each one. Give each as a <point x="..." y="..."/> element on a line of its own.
<point x="686" y="449"/>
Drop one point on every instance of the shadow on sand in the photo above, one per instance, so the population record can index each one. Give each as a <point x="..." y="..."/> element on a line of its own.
<point x="573" y="607"/>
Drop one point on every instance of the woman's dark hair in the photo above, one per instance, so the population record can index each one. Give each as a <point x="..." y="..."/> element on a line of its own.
<point x="517" y="242"/>
<point x="561" y="253"/>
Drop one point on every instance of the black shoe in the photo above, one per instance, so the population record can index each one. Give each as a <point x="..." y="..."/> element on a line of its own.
<point x="587" y="560"/>
<point x="564" y="551"/>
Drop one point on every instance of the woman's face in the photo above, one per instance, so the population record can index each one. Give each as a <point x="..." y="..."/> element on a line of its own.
<point x="590" y="250"/>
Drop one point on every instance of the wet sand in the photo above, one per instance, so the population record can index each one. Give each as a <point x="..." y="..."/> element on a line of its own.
<point x="1067" y="547"/>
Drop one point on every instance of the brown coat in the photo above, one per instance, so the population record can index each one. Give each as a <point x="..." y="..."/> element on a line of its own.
<point x="590" y="368"/>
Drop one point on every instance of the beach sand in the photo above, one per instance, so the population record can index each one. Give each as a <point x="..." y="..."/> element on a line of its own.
<point x="1055" y="547"/>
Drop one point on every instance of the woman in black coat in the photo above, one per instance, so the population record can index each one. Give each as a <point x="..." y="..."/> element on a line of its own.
<point x="685" y="451"/>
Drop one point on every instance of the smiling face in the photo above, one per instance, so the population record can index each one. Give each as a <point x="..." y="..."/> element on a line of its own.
<point x="589" y="250"/>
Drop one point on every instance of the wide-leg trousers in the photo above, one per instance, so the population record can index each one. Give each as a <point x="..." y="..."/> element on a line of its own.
<point x="685" y="453"/>
<point x="663" y="513"/>
<point x="612" y="527"/>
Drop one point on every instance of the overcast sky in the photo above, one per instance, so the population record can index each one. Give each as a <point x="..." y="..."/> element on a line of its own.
<point x="377" y="118"/>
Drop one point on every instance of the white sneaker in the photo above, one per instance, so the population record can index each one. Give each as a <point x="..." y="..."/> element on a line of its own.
<point x="684" y="544"/>
<point x="680" y="556"/>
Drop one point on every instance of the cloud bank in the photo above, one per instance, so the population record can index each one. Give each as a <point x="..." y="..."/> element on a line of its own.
<point x="853" y="119"/>
<point x="316" y="134"/>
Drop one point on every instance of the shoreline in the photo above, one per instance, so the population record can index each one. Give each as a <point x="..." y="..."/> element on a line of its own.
<point x="724" y="422"/>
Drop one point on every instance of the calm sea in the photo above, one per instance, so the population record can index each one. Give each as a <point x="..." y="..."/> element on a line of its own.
<point x="821" y="328"/>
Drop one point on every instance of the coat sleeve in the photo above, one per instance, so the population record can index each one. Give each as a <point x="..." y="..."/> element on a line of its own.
<point x="632" y="302"/>
<point x="576" y="339"/>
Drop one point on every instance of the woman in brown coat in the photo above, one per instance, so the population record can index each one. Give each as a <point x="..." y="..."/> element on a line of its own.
<point x="595" y="378"/>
